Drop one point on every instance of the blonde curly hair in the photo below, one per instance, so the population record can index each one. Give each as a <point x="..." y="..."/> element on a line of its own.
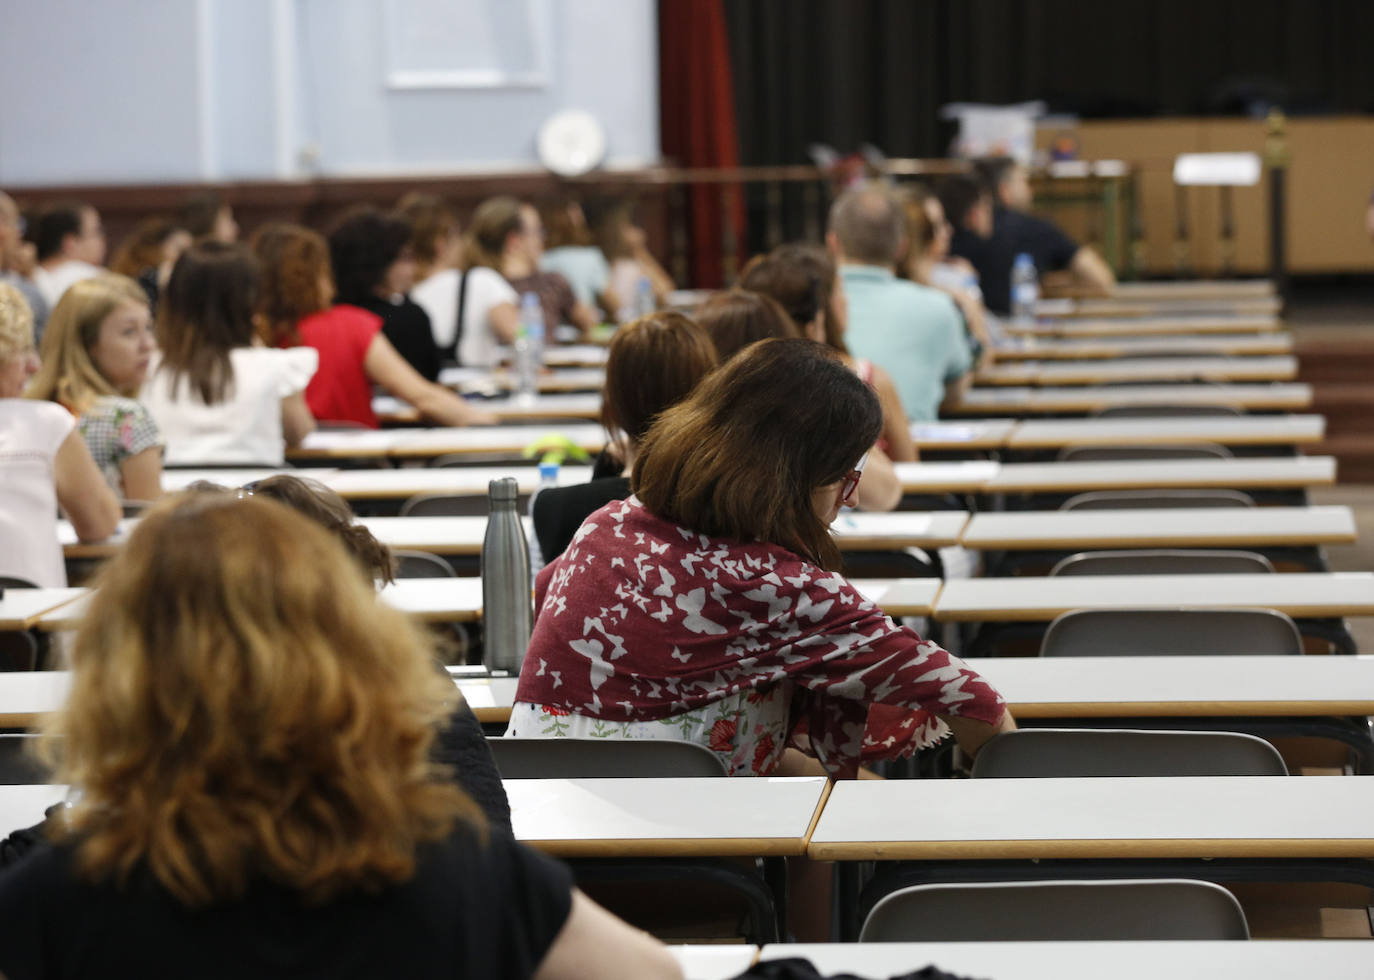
<point x="16" y="323"/>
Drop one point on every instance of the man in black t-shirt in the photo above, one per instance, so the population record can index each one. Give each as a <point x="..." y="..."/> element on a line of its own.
<point x="993" y="226"/>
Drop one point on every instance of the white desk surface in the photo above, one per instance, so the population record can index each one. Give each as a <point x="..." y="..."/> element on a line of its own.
<point x="174" y="480"/>
<point x="860" y="531"/>
<point x="403" y="443"/>
<point x="1299" y="594"/>
<point x="1258" y="472"/>
<point x="1153" y="687"/>
<point x="1329" y="959"/>
<point x="1106" y="817"/>
<point x="393" y="484"/>
<point x="563" y="379"/>
<point x="962" y="476"/>
<point x="564" y="355"/>
<point x="1002" y="400"/>
<point x="22" y="608"/>
<point x="666" y="817"/>
<point x="23" y="806"/>
<point x="1202" y="527"/>
<point x="1172" y="306"/>
<point x="1142" y="369"/>
<point x="1148" y="326"/>
<point x="708" y="962"/>
<point x="1231" y="431"/>
<point x="963" y="434"/>
<point x="391" y="410"/>
<point x="1193" y="288"/>
<point x="1097" y="348"/>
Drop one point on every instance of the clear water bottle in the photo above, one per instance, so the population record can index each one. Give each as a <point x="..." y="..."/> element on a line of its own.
<point x="1025" y="289"/>
<point x="529" y="348"/>
<point x="548" y="477"/>
<point x="644" y="297"/>
<point x="507" y="604"/>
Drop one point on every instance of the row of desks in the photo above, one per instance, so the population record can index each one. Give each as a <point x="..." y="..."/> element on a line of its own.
<point x="1254" y="527"/>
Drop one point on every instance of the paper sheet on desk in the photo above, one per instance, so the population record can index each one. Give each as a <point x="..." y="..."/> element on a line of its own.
<point x="349" y="439"/>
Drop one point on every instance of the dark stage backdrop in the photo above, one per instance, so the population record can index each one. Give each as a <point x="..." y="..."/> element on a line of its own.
<point x="848" y="71"/>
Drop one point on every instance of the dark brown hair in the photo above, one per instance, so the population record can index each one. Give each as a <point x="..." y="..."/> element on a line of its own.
<point x="737" y="318"/>
<point x="653" y="362"/>
<point x="740" y="457"/>
<point x="144" y="247"/>
<point x="801" y="278"/>
<point x="199" y="212"/>
<point x="430" y="220"/>
<point x="327" y="509"/>
<point x="207" y="311"/>
<point x="565" y="224"/>
<point x="363" y="244"/>
<point x="294" y="260"/>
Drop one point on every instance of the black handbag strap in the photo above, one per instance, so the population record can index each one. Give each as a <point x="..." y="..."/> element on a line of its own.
<point x="450" y="352"/>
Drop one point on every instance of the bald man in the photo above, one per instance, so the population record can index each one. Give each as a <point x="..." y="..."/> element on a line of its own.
<point x="16" y="259"/>
<point x="914" y="332"/>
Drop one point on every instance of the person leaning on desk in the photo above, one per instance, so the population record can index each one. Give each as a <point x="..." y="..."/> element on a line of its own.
<point x="247" y="738"/>
<point x="706" y="607"/>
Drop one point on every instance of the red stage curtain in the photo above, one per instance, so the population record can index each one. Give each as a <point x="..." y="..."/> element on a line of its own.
<point x="697" y="125"/>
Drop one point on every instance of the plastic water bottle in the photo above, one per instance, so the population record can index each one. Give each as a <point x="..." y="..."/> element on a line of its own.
<point x="548" y="477"/>
<point x="507" y="605"/>
<point x="644" y="297"/>
<point x="529" y="349"/>
<point x="1025" y="289"/>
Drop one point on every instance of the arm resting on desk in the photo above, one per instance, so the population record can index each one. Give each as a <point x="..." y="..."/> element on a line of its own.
<point x="393" y="372"/>
<point x="1091" y="270"/>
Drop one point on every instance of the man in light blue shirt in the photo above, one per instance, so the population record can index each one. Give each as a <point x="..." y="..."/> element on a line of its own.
<point x="913" y="332"/>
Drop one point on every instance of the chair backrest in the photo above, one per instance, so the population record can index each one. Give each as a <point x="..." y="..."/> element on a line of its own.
<point x="571" y="758"/>
<point x="421" y="564"/>
<point x="1124" y="499"/>
<point x="1171" y="632"/>
<point x="1164" y="561"/>
<point x="1097" y="454"/>
<point x="1057" y="910"/>
<point x="444" y="505"/>
<point x="18" y="651"/>
<point x="1166" y="411"/>
<point x="1076" y="752"/>
<point x="18" y="767"/>
<point x="15" y="582"/>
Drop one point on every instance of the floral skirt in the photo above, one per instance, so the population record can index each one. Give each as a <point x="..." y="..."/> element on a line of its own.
<point x="747" y="730"/>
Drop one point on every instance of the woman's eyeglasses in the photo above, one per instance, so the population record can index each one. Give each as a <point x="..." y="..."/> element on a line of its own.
<point x="850" y="486"/>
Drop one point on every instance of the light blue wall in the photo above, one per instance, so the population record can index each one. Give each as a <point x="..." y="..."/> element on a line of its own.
<point x="127" y="91"/>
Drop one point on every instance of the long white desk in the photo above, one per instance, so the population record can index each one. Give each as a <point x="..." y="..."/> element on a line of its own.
<point x="1299" y="594"/>
<point x="1204" y="527"/>
<point x="1247" y="473"/>
<point x="1329" y="959"/>
<point x="708" y="962"/>
<point x="480" y="380"/>
<point x="1101" y="348"/>
<point x="393" y="411"/>
<point x="1142" y="325"/>
<point x="1286" y="397"/>
<point x="1171" y="306"/>
<point x="21" y="609"/>
<point x="509" y="440"/>
<point x="1243" y="430"/>
<point x="1140" y="370"/>
<point x="666" y="817"/>
<point x="963" y="434"/>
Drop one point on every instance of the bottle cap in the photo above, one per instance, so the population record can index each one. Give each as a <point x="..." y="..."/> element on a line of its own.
<point x="549" y="468"/>
<point x="503" y="489"/>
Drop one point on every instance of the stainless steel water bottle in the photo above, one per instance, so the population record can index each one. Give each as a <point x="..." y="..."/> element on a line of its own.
<point x="507" y="605"/>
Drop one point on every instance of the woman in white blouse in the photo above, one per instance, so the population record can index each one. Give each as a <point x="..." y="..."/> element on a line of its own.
<point x="43" y="462"/>
<point x="217" y="394"/>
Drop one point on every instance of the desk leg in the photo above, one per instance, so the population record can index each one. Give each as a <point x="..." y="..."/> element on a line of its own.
<point x="846" y="901"/>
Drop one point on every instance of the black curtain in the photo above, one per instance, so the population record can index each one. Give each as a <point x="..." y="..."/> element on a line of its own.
<point x="844" y="72"/>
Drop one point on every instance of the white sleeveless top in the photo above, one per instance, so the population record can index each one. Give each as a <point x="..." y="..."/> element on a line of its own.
<point x="30" y="434"/>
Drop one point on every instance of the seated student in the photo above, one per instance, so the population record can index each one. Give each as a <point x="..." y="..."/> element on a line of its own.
<point x="437" y="244"/>
<point x="572" y="252"/>
<point x="651" y="364"/>
<point x="804" y="281"/>
<point x="219" y="397"/>
<point x="521" y="251"/>
<point x="96" y="354"/>
<point x="18" y="262"/>
<point x="913" y="331"/>
<point x="208" y="217"/>
<point x="248" y="732"/>
<point x="626" y="248"/>
<point x="148" y="254"/>
<point x="354" y="352"/>
<point x="1014" y="231"/>
<point x="929" y="263"/>
<point x="43" y="462"/>
<point x="730" y="627"/>
<point x="488" y="306"/>
<point x="374" y="268"/>
<point x="70" y="246"/>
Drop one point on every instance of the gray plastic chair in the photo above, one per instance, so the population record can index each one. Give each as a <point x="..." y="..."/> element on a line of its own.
<point x="421" y="564"/>
<point x="585" y="758"/>
<point x="444" y="505"/>
<point x="1164" y="561"/>
<point x="1171" y="632"/>
<point x="1081" y="752"/>
<point x="1195" y="450"/>
<point x="1127" y="499"/>
<point x="1165" y="908"/>
<point x="1166" y="411"/>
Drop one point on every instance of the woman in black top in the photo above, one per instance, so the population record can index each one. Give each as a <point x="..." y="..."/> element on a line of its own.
<point x="248" y="740"/>
<point x="374" y="268"/>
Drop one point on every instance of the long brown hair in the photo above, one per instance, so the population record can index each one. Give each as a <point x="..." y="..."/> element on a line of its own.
<point x="653" y="362"/>
<point x="801" y="278"/>
<point x="430" y="220"/>
<point x="736" y="318"/>
<point x="741" y="456"/>
<point x="295" y="267"/>
<point x="492" y="223"/>
<point x="206" y="312"/>
<point x="243" y="708"/>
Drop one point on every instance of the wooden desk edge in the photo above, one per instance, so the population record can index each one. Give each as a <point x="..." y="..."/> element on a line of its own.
<point x="1108" y="540"/>
<point x="672" y="847"/>
<point x="1147" y="439"/>
<point x="1194" y="709"/>
<point x="1297" y="611"/>
<point x="820" y="807"/>
<point x="1199" y="848"/>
